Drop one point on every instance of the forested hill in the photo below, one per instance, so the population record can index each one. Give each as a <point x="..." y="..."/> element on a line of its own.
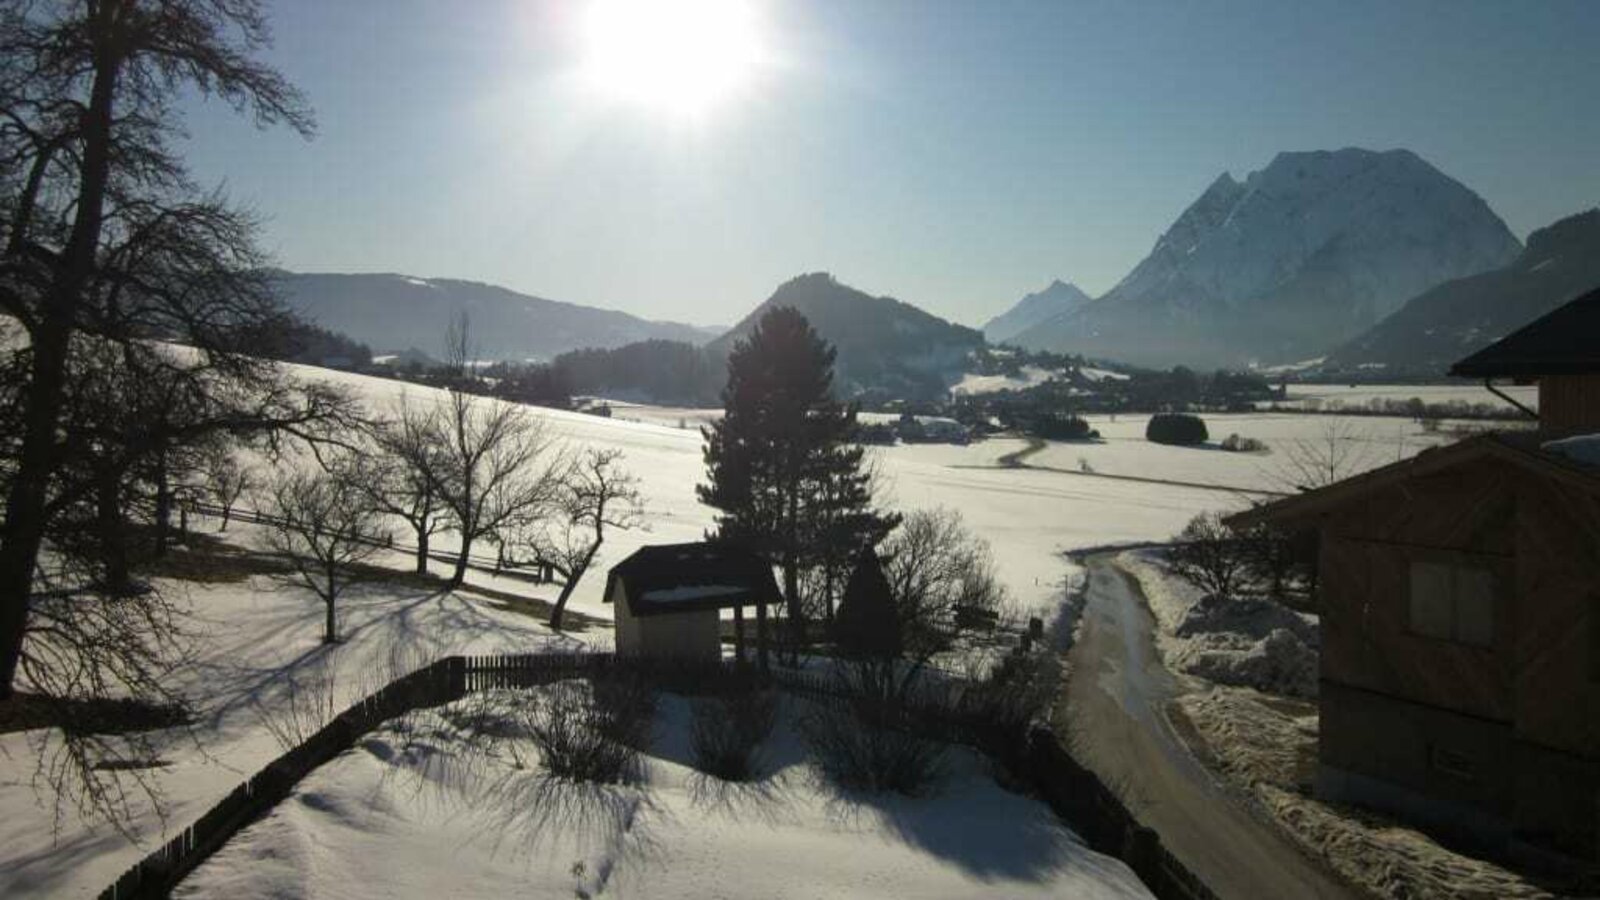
<point x="884" y="345"/>
<point x="390" y="313"/>
<point x="1460" y="317"/>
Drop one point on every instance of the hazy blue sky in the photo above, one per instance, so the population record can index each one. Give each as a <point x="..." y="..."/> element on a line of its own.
<point x="953" y="154"/>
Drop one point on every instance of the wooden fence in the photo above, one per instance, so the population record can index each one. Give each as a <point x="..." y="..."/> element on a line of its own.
<point x="1073" y="791"/>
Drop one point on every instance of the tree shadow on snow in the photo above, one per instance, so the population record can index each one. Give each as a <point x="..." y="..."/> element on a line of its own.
<point x="972" y="822"/>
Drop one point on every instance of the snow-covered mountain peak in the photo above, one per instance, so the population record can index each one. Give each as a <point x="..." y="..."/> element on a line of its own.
<point x="1309" y="250"/>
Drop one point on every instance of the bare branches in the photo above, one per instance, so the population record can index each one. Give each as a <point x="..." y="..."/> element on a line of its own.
<point x="324" y="528"/>
<point x="404" y="478"/>
<point x="499" y="470"/>
<point x="1337" y="452"/>
<point x="594" y="494"/>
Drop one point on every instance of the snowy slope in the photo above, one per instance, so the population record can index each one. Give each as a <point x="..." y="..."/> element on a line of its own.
<point x="1288" y="263"/>
<point x="387" y="820"/>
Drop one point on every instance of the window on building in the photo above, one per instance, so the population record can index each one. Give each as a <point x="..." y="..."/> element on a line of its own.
<point x="1453" y="602"/>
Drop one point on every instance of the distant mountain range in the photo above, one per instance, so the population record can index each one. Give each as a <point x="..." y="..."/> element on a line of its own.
<point x="1370" y="262"/>
<point x="1287" y="264"/>
<point x="1457" y="318"/>
<point x="1058" y="299"/>
<point x="883" y="344"/>
<point x="391" y="313"/>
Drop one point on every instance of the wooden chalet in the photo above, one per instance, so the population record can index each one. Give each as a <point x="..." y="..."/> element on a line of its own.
<point x="669" y="600"/>
<point x="1460" y="602"/>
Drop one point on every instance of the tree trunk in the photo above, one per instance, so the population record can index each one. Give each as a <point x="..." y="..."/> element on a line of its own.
<point x="330" y="630"/>
<point x="797" y="622"/>
<point x="761" y="636"/>
<point x="50" y="338"/>
<point x="422" y="551"/>
<point x="460" y="574"/>
<point x="113" y="547"/>
<point x="227" y="513"/>
<point x="163" y="505"/>
<point x="572" y="582"/>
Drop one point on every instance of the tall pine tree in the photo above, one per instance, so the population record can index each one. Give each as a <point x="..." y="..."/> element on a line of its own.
<point x="785" y="479"/>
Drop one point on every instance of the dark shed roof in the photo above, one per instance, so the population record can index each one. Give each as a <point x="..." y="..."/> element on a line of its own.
<point x="669" y="578"/>
<point x="1565" y="341"/>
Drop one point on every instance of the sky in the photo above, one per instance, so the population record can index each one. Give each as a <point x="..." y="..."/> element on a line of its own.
<point x="955" y="155"/>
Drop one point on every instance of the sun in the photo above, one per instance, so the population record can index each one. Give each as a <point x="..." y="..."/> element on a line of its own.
<point x="677" y="56"/>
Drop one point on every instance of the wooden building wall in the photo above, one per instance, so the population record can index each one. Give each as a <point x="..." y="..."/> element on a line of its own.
<point x="1523" y="713"/>
<point x="1464" y="514"/>
<point x="1569" y="403"/>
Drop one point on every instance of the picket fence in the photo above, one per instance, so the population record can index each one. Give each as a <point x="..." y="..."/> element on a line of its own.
<point x="1073" y="791"/>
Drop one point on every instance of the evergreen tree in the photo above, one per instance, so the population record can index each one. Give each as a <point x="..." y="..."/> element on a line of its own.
<point x="783" y="475"/>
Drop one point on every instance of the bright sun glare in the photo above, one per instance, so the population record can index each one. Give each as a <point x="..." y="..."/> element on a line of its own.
<point x="683" y="56"/>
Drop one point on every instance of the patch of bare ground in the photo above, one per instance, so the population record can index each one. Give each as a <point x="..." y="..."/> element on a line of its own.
<point x="1268" y="745"/>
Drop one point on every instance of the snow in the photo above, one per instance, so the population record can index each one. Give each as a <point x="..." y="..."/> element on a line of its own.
<point x="691" y="592"/>
<point x="1103" y="375"/>
<point x="973" y="384"/>
<point x="1350" y="395"/>
<point x="1237" y="641"/>
<point x="397" y="817"/>
<point x="250" y="634"/>
<point x="1371" y="441"/>
<point x="1584" y="448"/>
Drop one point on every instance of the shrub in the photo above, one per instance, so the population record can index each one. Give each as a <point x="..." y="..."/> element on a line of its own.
<point x="858" y="753"/>
<point x="627" y="701"/>
<point x="725" y="731"/>
<point x="1062" y="428"/>
<point x="582" y="738"/>
<point x="1239" y="444"/>
<point x="1210" y="555"/>
<point x="1180" y="429"/>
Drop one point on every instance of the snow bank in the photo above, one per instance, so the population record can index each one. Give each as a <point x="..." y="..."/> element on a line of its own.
<point x="414" y="812"/>
<point x="1247" y="642"/>
<point x="1584" y="448"/>
<point x="1265" y="745"/>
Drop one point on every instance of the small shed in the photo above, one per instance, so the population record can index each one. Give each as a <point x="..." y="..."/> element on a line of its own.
<point x="669" y="599"/>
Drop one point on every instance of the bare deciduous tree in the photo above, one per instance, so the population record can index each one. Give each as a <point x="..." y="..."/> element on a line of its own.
<point x="403" y="479"/>
<point x="1339" y="450"/>
<point x="225" y="480"/>
<point x="941" y="577"/>
<point x="96" y="213"/>
<point x="498" y="470"/>
<point x="323" y="525"/>
<point x="596" y="493"/>
<point x="1211" y="556"/>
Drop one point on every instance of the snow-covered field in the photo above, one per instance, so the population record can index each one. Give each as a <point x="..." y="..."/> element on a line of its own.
<point x="249" y="633"/>
<point x="1367" y="442"/>
<point x="1360" y="394"/>
<point x="394" y="817"/>
<point x="973" y="384"/>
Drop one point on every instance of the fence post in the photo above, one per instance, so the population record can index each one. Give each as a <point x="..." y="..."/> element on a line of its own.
<point x="455" y="677"/>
